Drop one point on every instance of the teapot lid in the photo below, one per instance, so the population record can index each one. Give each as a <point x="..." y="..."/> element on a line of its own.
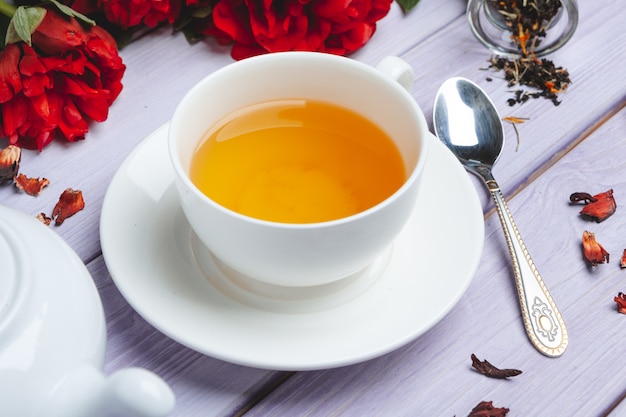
<point x="14" y="279"/>
<point x="51" y="316"/>
<point x="53" y="333"/>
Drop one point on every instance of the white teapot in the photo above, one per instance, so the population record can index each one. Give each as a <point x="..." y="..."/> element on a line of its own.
<point x="53" y="334"/>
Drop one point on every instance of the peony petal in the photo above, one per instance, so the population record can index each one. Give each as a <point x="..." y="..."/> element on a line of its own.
<point x="57" y="34"/>
<point x="14" y="114"/>
<point x="30" y="63"/>
<point x="10" y="81"/>
<point x="95" y="108"/>
<point x="69" y="63"/>
<point x="233" y="21"/>
<point x="41" y="106"/>
<point x="357" y="37"/>
<point x="72" y="125"/>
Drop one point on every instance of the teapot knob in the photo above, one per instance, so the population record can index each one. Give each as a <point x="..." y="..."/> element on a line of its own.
<point x="136" y="392"/>
<point x="130" y="392"/>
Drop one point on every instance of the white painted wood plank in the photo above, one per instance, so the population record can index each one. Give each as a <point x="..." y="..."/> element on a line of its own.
<point x="620" y="408"/>
<point x="433" y="375"/>
<point x="203" y="386"/>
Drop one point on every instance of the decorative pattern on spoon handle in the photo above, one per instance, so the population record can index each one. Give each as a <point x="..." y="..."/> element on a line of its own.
<point x="542" y="319"/>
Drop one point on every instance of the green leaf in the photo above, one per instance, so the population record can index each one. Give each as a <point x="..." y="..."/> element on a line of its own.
<point x="24" y="22"/>
<point x="201" y="12"/>
<point x="407" y="5"/>
<point x="192" y="37"/>
<point x="70" y="12"/>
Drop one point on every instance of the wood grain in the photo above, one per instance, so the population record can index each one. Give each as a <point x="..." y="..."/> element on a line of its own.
<point x="577" y="146"/>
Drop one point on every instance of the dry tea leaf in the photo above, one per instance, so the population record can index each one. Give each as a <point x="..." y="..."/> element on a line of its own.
<point x="31" y="186"/>
<point x="542" y="76"/>
<point x="70" y="203"/>
<point x="593" y="251"/>
<point x="527" y="21"/>
<point x="9" y="163"/>
<point x="487" y="369"/>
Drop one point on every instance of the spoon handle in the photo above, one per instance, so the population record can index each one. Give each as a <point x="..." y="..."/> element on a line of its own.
<point x="542" y="319"/>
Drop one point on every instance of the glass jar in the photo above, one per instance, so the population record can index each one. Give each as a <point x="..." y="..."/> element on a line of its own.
<point x="523" y="27"/>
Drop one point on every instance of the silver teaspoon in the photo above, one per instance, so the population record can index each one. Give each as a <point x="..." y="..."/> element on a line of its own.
<point x="467" y="122"/>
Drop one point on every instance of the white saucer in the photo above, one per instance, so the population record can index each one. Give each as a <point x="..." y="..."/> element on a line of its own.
<point x="170" y="279"/>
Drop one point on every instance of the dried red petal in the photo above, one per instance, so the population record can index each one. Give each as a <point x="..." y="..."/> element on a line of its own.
<point x="484" y="367"/>
<point x="9" y="162"/>
<point x="70" y="203"/>
<point x="584" y="197"/>
<point x="486" y="409"/>
<point x="44" y="219"/>
<point x="623" y="261"/>
<point x="31" y="186"/>
<point x="599" y="207"/>
<point x="593" y="251"/>
<point x="621" y="302"/>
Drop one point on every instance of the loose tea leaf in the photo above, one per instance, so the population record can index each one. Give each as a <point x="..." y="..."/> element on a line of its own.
<point x="593" y="251"/>
<point x="528" y="23"/>
<point x="486" y="409"/>
<point x="543" y="76"/>
<point x="487" y="369"/>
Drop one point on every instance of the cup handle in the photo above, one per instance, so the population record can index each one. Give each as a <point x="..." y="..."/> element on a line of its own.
<point x="397" y="69"/>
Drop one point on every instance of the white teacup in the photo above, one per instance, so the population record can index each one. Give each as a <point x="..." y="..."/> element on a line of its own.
<point x="311" y="254"/>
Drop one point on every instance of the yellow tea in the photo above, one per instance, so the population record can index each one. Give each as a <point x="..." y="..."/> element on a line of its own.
<point x="297" y="161"/>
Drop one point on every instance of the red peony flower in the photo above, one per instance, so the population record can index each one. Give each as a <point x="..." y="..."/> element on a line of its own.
<point x="70" y="75"/>
<point x="129" y="13"/>
<point x="260" y="26"/>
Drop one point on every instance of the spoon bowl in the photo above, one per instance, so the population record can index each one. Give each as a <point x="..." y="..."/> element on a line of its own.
<point x="467" y="122"/>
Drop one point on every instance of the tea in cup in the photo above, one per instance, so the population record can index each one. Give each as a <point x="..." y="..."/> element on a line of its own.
<point x="299" y="168"/>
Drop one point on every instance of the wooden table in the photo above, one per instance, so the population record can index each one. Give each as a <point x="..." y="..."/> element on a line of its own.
<point x="577" y="146"/>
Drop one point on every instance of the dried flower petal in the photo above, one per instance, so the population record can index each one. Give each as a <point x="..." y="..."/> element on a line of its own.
<point x="486" y="409"/>
<point x="44" y="219"/>
<point x="593" y="251"/>
<point x="514" y="121"/>
<point x="622" y="263"/>
<point x="599" y="207"/>
<point x="70" y="203"/>
<point x="584" y="197"/>
<point x="487" y="369"/>
<point x="621" y="302"/>
<point x="9" y="162"/>
<point x="31" y="186"/>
